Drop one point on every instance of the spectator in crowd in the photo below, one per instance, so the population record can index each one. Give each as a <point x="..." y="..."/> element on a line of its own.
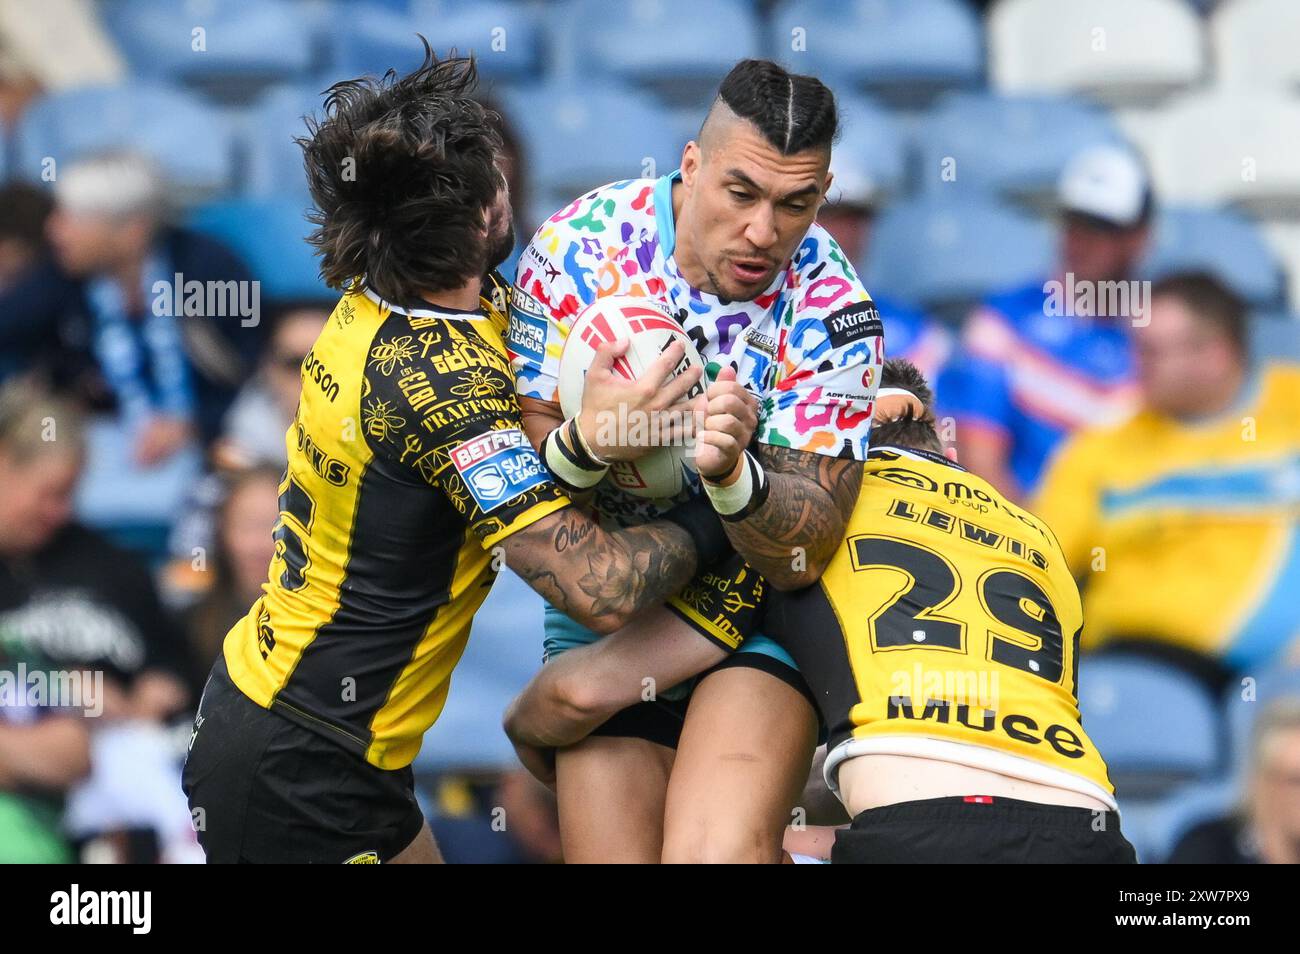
<point x="172" y="374"/>
<point x="35" y="340"/>
<point x="44" y="750"/>
<point x="66" y="593"/>
<point x="1267" y="828"/>
<point x="237" y="566"/>
<point x="1040" y="361"/>
<point x="49" y="46"/>
<point x="510" y="818"/>
<point x="848" y="216"/>
<point x="254" y="427"/>
<point x="1182" y="521"/>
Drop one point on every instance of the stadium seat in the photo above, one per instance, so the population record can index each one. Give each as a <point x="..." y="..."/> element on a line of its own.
<point x="947" y="254"/>
<point x="903" y="50"/>
<point x="366" y="38"/>
<point x="1222" y="243"/>
<point x="1253" y="44"/>
<point x="645" y="43"/>
<point x="872" y="139"/>
<point x="504" y="651"/>
<point x="580" y="138"/>
<point x="1245" y="701"/>
<point x="271" y="160"/>
<point x="270" y="235"/>
<point x="1013" y="145"/>
<point x="188" y="138"/>
<point x="1118" y="50"/>
<point x="1230" y="146"/>
<point x="1284" y="237"/>
<point x="1155" y="726"/>
<point x="1275" y="336"/>
<point x="1154" y="826"/>
<point x="230" y="48"/>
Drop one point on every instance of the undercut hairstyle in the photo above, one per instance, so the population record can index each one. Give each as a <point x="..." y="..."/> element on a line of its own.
<point x="792" y="112"/>
<point x="402" y="172"/>
<point x="1211" y="301"/>
<point x="908" y="430"/>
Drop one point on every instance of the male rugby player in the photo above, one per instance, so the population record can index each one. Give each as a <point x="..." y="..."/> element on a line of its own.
<point x="941" y="644"/>
<point x="728" y="244"/>
<point x="408" y="475"/>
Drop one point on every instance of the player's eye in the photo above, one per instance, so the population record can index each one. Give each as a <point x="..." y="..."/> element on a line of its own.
<point x="738" y="195"/>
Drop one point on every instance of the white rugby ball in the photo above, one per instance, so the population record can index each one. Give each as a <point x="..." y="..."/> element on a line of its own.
<point x="650" y="329"/>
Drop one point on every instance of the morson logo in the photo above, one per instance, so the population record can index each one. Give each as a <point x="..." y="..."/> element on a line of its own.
<point x="853" y="323"/>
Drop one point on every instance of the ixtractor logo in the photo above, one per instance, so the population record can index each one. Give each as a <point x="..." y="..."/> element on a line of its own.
<point x="76" y="907"/>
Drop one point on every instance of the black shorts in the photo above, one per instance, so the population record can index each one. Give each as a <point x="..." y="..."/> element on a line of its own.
<point x="263" y="789"/>
<point x="990" y="830"/>
<point x="661" y="721"/>
<point x="724" y="604"/>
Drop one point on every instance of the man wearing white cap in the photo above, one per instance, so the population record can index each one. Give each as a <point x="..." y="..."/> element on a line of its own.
<point x="1039" y="361"/>
<point x="849" y="215"/>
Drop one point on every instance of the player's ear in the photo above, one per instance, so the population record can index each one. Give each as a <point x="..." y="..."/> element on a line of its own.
<point x="690" y="163"/>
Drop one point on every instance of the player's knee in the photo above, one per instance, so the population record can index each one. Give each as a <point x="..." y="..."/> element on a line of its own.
<point x="720" y="843"/>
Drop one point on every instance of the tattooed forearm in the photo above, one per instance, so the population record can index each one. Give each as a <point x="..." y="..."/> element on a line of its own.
<point x="601" y="579"/>
<point x="792" y="537"/>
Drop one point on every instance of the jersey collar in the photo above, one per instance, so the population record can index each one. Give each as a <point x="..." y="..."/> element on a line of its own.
<point x="664" y="224"/>
<point x="431" y="312"/>
<point x="915" y="453"/>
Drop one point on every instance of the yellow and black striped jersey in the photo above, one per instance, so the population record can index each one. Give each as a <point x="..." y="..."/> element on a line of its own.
<point x="407" y="463"/>
<point x="947" y="627"/>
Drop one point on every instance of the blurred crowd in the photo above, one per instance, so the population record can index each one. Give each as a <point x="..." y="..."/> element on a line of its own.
<point x="1108" y="347"/>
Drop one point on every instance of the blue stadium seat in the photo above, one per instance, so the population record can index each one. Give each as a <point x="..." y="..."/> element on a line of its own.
<point x="189" y="139"/>
<point x="948" y="254"/>
<point x="1244" y="703"/>
<point x="367" y="38"/>
<point x="244" y="44"/>
<point x="504" y="651"/>
<point x="1275" y="336"/>
<point x="872" y="141"/>
<point x="1154" y="825"/>
<point x="1222" y="242"/>
<point x="1013" y="145"/>
<point x="680" y="48"/>
<point x="579" y="138"/>
<point x="271" y="236"/>
<point x="1155" y="726"/>
<point x="271" y="160"/>
<point x="903" y="49"/>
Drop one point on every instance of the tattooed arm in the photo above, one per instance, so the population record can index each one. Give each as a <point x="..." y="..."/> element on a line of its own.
<point x="791" y="538"/>
<point x="601" y="579"/>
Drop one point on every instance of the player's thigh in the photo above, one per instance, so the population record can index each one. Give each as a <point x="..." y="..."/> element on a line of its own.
<point x="610" y="791"/>
<point x="422" y="850"/>
<point x="741" y="764"/>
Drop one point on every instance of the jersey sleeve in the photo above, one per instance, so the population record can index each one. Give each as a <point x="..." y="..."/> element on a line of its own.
<point x="975" y="387"/>
<point x="829" y="361"/>
<point x="545" y="298"/>
<point x="440" y="406"/>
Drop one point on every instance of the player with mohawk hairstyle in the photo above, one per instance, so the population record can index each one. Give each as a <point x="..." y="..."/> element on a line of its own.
<point x="408" y="475"/>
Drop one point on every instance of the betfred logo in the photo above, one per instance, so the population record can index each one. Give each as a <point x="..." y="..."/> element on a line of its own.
<point x="484" y="446"/>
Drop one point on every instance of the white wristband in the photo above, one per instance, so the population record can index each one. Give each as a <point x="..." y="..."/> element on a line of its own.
<point x="572" y="470"/>
<point x="743" y="495"/>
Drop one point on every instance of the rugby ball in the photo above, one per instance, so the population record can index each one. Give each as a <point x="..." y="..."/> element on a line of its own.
<point x="649" y="329"/>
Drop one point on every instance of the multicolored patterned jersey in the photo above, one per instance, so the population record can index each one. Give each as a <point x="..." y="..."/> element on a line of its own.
<point x="810" y="346"/>
<point x="1188" y="533"/>
<point x="1032" y="376"/>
